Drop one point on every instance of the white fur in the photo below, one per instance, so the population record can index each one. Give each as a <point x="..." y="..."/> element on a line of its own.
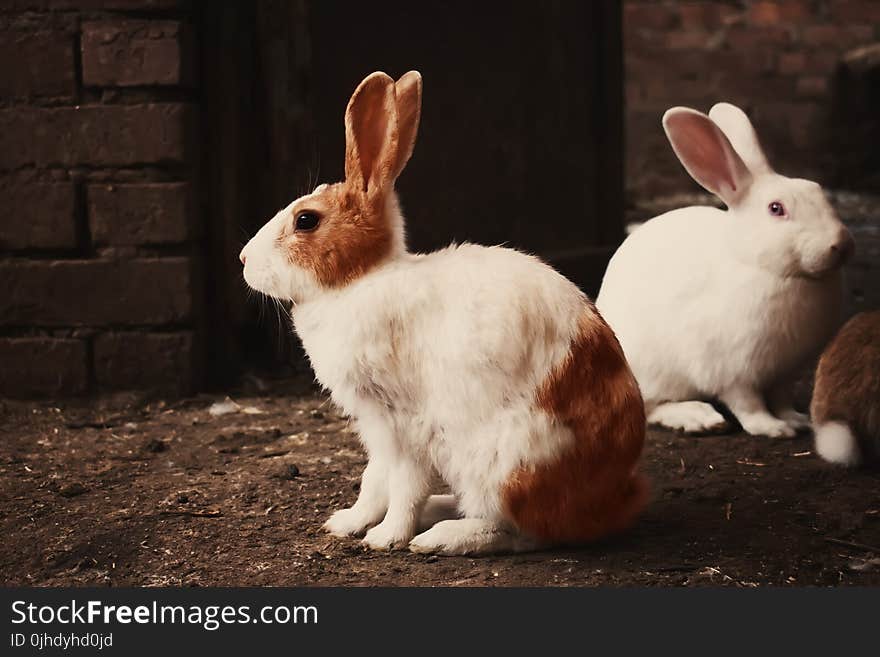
<point x="437" y="358"/>
<point x="728" y="304"/>
<point x="836" y="443"/>
<point x="472" y="536"/>
<point x="689" y="416"/>
<point x="474" y="331"/>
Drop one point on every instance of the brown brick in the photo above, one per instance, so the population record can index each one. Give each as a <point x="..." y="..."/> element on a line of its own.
<point x="147" y="291"/>
<point x="139" y="214"/>
<point x="42" y="366"/>
<point x="764" y="13"/>
<point x="144" y="360"/>
<point x="101" y="135"/>
<point x="823" y="62"/>
<point x="836" y="36"/>
<point x="753" y="89"/>
<point x="118" y="5"/>
<point x="792" y="62"/>
<point x="649" y="15"/>
<point x="37" y="64"/>
<point x="705" y="15"/>
<point x="136" y="53"/>
<point x="743" y="38"/>
<point x="686" y="40"/>
<point x="37" y="215"/>
<point x="794" y="125"/>
<point x="680" y="65"/>
<point x="812" y="86"/>
<point x="854" y="11"/>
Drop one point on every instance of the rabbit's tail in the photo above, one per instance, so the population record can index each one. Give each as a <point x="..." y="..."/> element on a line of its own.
<point x="836" y="443"/>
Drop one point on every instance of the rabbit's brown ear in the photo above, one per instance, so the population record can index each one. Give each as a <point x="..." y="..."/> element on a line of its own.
<point x="739" y="130"/>
<point x="706" y="153"/>
<point x="408" y="90"/>
<point x="371" y="135"/>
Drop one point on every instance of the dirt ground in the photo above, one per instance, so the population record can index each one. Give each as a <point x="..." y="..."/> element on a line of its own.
<point x="124" y="492"/>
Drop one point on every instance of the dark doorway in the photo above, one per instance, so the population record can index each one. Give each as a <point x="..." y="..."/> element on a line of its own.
<point x="520" y="141"/>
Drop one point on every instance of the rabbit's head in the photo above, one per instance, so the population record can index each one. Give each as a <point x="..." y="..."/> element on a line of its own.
<point x="341" y="231"/>
<point x="785" y="225"/>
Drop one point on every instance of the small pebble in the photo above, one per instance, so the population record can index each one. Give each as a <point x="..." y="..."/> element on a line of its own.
<point x="85" y="562"/>
<point x="155" y="445"/>
<point x="72" y="490"/>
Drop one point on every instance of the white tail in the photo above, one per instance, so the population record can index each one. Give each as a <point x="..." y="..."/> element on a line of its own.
<point x="836" y="443"/>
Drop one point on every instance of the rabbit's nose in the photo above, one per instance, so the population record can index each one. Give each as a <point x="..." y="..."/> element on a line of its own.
<point x="242" y="257"/>
<point x="844" y="247"/>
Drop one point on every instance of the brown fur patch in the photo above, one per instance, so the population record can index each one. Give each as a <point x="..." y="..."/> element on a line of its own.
<point x="847" y="386"/>
<point x="353" y="235"/>
<point x="592" y="489"/>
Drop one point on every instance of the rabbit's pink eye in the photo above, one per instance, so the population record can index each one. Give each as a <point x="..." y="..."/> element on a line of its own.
<point x="776" y="209"/>
<point x="306" y="221"/>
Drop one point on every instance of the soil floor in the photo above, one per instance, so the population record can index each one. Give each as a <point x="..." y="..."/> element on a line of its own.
<point x="124" y="492"/>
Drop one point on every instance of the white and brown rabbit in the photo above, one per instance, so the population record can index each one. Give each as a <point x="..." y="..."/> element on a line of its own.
<point x="480" y="364"/>
<point x="727" y="305"/>
<point x="846" y="395"/>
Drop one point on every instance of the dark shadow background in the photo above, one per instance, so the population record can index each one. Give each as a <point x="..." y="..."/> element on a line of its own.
<point x="143" y="141"/>
<point x="520" y="140"/>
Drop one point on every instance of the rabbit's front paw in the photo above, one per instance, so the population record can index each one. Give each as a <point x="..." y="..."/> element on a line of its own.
<point x="692" y="417"/>
<point x="387" y="536"/>
<point x="767" y="425"/>
<point x="348" y="522"/>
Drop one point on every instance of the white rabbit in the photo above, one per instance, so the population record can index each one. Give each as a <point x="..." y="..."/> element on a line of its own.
<point x="727" y="305"/>
<point x="482" y="365"/>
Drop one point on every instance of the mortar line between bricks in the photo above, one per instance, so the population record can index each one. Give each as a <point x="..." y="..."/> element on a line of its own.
<point x="77" y="62"/>
<point x="175" y="169"/>
<point x="81" y="219"/>
<point x="91" y="376"/>
<point x="65" y="102"/>
<point x="172" y="174"/>
<point x="98" y="252"/>
<point x="31" y="331"/>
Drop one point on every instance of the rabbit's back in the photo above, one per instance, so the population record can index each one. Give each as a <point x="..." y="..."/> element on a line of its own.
<point x="458" y="332"/>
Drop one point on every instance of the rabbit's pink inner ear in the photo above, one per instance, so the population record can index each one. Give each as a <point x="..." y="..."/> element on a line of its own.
<point x="408" y="90"/>
<point x="371" y="134"/>
<point x="707" y="154"/>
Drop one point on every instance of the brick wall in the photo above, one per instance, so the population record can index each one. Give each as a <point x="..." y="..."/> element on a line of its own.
<point x="97" y="172"/>
<point x="779" y="59"/>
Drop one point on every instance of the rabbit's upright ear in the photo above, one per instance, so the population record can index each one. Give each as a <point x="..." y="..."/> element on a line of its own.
<point x="371" y="135"/>
<point x="739" y="130"/>
<point x="707" y="154"/>
<point x="408" y="90"/>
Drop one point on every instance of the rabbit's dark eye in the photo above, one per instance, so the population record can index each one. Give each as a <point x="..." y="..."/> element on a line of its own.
<point x="306" y="221"/>
<point x="776" y="209"/>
